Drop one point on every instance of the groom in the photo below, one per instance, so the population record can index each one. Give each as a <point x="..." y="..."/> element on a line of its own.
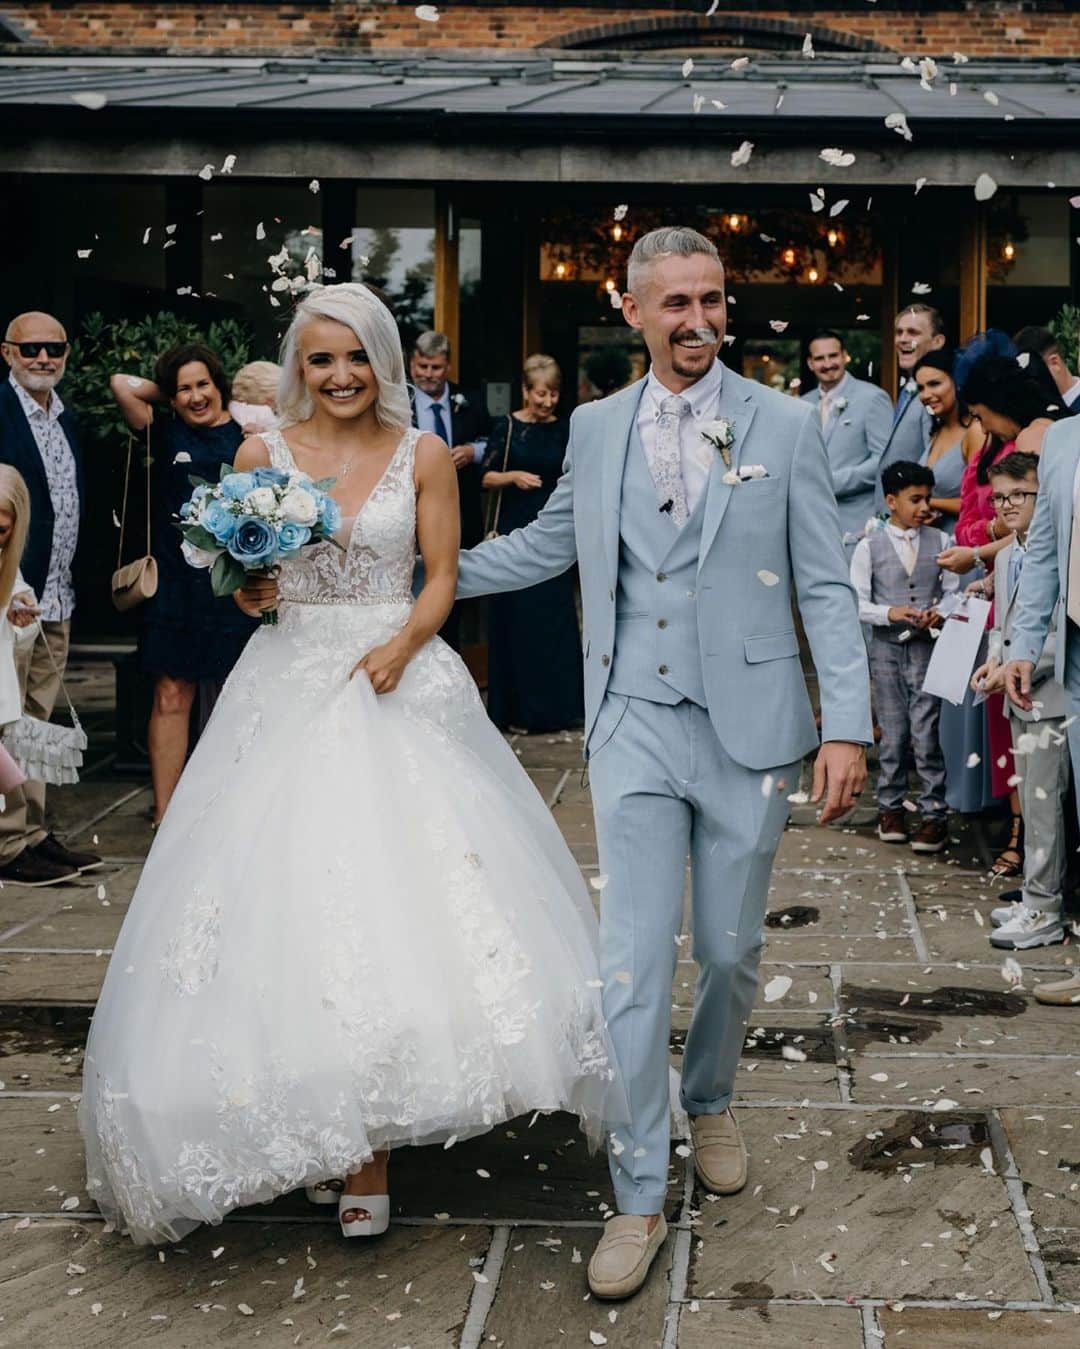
<point x="693" y="501"/>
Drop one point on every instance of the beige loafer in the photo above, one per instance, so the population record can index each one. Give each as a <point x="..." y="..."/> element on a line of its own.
<point x="1061" y="993"/>
<point x="624" y="1256"/>
<point x="719" y="1153"/>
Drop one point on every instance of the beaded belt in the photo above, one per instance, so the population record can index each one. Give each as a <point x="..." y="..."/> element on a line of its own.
<point x="351" y="602"/>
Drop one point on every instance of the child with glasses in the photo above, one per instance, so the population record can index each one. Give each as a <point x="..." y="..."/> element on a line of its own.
<point x="1040" y="750"/>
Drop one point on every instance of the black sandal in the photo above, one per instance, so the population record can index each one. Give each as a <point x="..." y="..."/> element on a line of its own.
<point x="1010" y="860"/>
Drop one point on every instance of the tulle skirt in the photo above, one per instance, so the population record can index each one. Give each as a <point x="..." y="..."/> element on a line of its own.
<point x="358" y="927"/>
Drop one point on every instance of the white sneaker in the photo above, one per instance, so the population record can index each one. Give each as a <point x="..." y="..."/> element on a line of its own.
<point x="1026" y="928"/>
<point x="1002" y="914"/>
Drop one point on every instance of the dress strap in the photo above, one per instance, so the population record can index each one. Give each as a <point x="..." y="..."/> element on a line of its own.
<point x="280" y="454"/>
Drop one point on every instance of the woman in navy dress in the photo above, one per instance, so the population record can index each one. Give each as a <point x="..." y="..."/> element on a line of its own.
<point x="186" y="634"/>
<point x="535" y="680"/>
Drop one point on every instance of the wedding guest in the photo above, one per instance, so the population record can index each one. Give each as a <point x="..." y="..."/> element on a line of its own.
<point x="856" y="419"/>
<point x="186" y="635"/>
<point x="460" y="418"/>
<point x="535" y="680"/>
<point x="899" y="583"/>
<point x="38" y="437"/>
<point x="18" y="612"/>
<point x="253" y="405"/>
<point x="1041" y="342"/>
<point x="955" y="435"/>
<point x="1011" y="405"/>
<point x="1040" y="756"/>
<point x="919" y="328"/>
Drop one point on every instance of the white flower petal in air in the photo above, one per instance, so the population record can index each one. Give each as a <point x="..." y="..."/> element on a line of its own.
<point x="206" y="172"/>
<point x="687" y="67"/>
<point x="777" y="987"/>
<point x="620" y="211"/>
<point x="991" y="97"/>
<point x="740" y="63"/>
<point x="1023" y="359"/>
<point x="427" y="13"/>
<point x="94" y="102"/>
<point x="921" y="288"/>
<point x="837" y="207"/>
<point x="808" y="46"/>
<point x="742" y="155"/>
<point x="897" y="121"/>
<point x="817" y="202"/>
<point x="920" y="183"/>
<point x="985" y="187"/>
<point x="598" y="882"/>
<point x="778" y="325"/>
<point x="839" y="159"/>
<point x="229" y="164"/>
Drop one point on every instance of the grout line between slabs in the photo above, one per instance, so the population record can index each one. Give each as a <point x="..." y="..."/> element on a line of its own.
<point x="553" y="799"/>
<point x="101" y="814"/>
<point x="1015" y="1189"/>
<point x="680" y="1261"/>
<point x="840" y="1055"/>
<point x="872" y="1335"/>
<point x="917" y="937"/>
<point x="485" y="1288"/>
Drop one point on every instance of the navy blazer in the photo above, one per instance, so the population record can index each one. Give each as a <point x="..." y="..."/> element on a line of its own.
<point x="468" y="423"/>
<point x="19" y="449"/>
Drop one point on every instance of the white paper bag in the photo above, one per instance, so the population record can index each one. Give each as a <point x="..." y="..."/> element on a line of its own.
<point x="957" y="647"/>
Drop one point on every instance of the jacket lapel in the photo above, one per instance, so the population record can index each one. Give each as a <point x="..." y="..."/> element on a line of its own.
<point x="737" y="405"/>
<point x="617" y="430"/>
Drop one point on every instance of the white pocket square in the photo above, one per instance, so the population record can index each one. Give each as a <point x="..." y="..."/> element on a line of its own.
<point x="745" y="473"/>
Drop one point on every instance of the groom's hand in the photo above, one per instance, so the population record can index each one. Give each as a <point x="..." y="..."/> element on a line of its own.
<point x="839" y="776"/>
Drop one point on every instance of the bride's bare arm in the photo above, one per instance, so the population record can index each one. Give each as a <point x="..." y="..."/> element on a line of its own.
<point x="438" y="533"/>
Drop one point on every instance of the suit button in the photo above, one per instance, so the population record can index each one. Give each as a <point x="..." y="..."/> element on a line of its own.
<point x="661" y="575"/>
<point x="1007" y="642"/>
<point x="611" y="596"/>
<point x="663" y="670"/>
<point x="605" y="660"/>
<point x="661" y="622"/>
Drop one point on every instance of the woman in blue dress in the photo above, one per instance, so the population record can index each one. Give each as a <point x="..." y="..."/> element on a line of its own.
<point x="535" y="680"/>
<point x="186" y="634"/>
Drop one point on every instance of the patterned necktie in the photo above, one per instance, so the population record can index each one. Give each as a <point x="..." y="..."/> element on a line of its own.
<point x="665" y="464"/>
<point x="440" y="425"/>
<point x="907" y="393"/>
<point x="826" y="408"/>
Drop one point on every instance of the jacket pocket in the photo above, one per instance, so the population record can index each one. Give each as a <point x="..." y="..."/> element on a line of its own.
<point x="770" y="646"/>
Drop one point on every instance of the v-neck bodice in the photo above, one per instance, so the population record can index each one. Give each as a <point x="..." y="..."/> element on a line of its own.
<point x="372" y="558"/>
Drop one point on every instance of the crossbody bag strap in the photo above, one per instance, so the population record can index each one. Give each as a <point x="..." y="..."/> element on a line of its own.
<point x="58" y="672"/>
<point x="127" y="486"/>
<point x="506" y="461"/>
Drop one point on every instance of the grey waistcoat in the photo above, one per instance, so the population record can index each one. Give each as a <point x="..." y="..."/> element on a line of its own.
<point x="657" y="651"/>
<point x="890" y="584"/>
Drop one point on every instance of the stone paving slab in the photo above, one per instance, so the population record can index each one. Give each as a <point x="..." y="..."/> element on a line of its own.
<point x="41" y="1155"/>
<point x="956" y="1328"/>
<point x="1046" y="1146"/>
<point x="979" y="1084"/>
<point x="41" y="1048"/>
<point x="191" y="1299"/>
<point x="51" y="978"/>
<point x="820" y="947"/>
<point x="736" y="1326"/>
<point x="840" y="905"/>
<point x="84" y="922"/>
<point x="828" y="1213"/>
<point x="543" y="1298"/>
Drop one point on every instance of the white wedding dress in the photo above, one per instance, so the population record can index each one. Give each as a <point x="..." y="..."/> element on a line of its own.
<point x="358" y="925"/>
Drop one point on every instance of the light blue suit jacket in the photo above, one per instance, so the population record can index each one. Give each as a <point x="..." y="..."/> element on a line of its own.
<point x="759" y="540"/>
<point x="909" y="439"/>
<point x="1045" y="577"/>
<point x="855" y="439"/>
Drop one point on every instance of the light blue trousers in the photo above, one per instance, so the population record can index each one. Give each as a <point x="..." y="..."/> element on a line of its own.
<point x="665" y="790"/>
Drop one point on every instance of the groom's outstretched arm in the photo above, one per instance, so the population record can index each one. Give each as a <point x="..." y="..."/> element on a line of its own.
<point x="536" y="553"/>
<point x="824" y="594"/>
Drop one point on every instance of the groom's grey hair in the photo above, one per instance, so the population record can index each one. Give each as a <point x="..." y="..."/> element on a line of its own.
<point x="672" y="241"/>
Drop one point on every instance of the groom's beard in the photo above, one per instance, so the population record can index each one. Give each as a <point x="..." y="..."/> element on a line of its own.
<point x="699" y="366"/>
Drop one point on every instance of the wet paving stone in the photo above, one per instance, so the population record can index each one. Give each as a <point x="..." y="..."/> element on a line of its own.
<point x="277" y="1284"/>
<point x="41" y="1155"/>
<point x="979" y="1083"/>
<point x="51" y="978"/>
<point x="956" y="1328"/>
<point x="41" y="1047"/>
<point x="742" y="1325"/>
<point x="1046" y="1146"/>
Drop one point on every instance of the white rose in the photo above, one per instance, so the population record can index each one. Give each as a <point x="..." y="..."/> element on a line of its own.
<point x="199" y="557"/>
<point x="299" y="507"/>
<point x="260" y="501"/>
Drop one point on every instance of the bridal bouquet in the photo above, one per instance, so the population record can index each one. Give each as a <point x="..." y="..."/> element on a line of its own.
<point x="249" y="522"/>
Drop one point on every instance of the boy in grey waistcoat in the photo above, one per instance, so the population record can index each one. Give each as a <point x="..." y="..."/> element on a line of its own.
<point x="898" y="581"/>
<point x="1040" y="745"/>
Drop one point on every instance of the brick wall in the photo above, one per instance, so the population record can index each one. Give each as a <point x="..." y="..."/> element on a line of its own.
<point x="981" y="28"/>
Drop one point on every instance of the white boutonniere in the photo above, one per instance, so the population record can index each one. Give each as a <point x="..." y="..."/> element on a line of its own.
<point x="459" y="401"/>
<point x="721" y="436"/>
<point x="744" y="473"/>
<point x="840" y="405"/>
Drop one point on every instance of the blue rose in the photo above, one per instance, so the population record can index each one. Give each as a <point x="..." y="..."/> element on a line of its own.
<point x="291" y="537"/>
<point x="219" y="521"/>
<point x="329" y="514"/>
<point x="254" y="544"/>
<point x="270" y="477"/>
<point x="236" y="486"/>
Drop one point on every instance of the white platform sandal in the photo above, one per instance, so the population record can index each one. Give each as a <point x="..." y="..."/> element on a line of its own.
<point x="325" y="1192"/>
<point x="373" y="1212"/>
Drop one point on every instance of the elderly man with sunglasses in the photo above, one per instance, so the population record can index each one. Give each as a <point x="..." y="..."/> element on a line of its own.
<point x="38" y="437"/>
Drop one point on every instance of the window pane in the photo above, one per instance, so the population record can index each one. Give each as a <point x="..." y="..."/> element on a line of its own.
<point x="1027" y="259"/>
<point x="393" y="249"/>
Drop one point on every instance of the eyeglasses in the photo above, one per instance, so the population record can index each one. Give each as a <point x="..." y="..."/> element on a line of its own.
<point x="1011" y="498"/>
<point x="28" y="350"/>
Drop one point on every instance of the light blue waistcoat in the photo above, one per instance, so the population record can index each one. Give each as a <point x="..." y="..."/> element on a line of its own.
<point x="657" y="650"/>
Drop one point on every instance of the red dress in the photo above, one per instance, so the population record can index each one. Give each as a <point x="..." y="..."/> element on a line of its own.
<point x="976" y="509"/>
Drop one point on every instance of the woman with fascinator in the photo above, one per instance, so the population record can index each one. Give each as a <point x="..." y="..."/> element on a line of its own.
<point x="359" y="927"/>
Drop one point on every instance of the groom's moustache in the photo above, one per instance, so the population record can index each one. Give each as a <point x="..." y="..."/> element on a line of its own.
<point x="702" y="335"/>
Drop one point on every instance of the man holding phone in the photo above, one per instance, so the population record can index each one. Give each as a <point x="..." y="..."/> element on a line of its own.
<point x="38" y="437"/>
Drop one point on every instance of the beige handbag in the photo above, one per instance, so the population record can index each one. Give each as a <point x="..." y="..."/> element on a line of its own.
<point x="136" y="581"/>
<point x="492" y="531"/>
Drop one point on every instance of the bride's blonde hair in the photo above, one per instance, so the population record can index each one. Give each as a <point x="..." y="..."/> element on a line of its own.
<point x="14" y="497"/>
<point x="359" y="309"/>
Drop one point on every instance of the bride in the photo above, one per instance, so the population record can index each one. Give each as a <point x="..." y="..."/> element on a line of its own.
<point x="358" y="926"/>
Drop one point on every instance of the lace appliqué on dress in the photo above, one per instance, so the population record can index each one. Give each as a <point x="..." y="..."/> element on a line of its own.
<point x="191" y="957"/>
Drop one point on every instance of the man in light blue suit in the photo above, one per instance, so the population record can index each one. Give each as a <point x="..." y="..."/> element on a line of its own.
<point x="919" y="328"/>
<point x="856" y="423"/>
<point x="694" y="502"/>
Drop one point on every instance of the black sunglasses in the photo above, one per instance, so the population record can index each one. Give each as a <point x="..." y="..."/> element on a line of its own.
<point x="28" y="350"/>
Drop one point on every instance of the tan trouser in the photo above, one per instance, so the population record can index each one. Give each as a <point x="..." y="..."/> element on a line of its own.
<point x="22" y="821"/>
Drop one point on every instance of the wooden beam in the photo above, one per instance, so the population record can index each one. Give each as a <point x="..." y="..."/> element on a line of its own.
<point x="447" y="293"/>
<point x="888" y="376"/>
<point x="973" y="272"/>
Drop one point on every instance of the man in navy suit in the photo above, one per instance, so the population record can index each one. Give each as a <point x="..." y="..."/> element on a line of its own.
<point x="38" y="437"/>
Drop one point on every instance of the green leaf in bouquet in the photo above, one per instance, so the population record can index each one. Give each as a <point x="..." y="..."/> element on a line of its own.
<point x="200" y="538"/>
<point x="196" y="481"/>
<point x="226" y="469"/>
<point x="227" y="575"/>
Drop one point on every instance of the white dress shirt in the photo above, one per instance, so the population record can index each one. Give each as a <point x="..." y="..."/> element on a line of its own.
<point x="833" y="396"/>
<point x="905" y="543"/>
<point x="425" y="418"/>
<point x="11" y="698"/>
<point x="1072" y="393"/>
<point x="58" y="598"/>
<point x="695" y="453"/>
